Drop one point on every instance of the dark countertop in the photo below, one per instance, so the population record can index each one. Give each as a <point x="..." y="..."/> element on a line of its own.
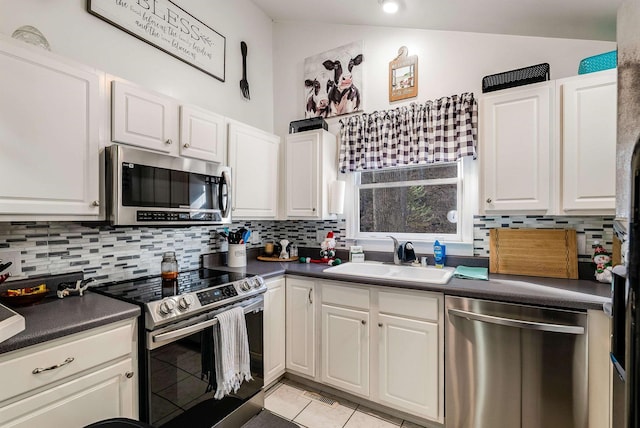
<point x="504" y="288"/>
<point x="53" y="318"/>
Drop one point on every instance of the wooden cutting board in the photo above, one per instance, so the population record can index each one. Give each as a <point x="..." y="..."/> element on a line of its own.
<point x="534" y="252"/>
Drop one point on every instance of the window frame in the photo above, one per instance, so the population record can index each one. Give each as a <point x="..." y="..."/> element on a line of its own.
<point x="460" y="243"/>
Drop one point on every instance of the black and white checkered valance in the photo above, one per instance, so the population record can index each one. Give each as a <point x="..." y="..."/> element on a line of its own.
<point x="443" y="130"/>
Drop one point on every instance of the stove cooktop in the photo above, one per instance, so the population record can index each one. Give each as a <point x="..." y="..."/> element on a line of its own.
<point x="197" y="291"/>
<point x="149" y="289"/>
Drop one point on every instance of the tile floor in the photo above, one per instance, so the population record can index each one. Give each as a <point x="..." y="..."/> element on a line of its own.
<point x="306" y="408"/>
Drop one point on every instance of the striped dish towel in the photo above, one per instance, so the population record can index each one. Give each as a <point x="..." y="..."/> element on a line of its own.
<point x="231" y="351"/>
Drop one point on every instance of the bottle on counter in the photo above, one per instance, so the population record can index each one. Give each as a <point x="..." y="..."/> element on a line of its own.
<point x="169" y="273"/>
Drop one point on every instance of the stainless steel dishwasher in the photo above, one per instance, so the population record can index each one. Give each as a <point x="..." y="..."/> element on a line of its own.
<point x="510" y="366"/>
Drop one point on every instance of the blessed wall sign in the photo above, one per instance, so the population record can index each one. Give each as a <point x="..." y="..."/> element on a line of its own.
<point x="169" y="28"/>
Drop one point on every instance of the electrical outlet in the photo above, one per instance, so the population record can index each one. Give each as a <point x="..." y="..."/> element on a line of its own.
<point x="320" y="235"/>
<point x="255" y="238"/>
<point x="16" y="263"/>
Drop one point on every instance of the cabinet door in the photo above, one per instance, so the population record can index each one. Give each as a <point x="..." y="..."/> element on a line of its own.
<point x="302" y="163"/>
<point x="202" y="134"/>
<point x="301" y="327"/>
<point x="345" y="349"/>
<point x="101" y="394"/>
<point x="408" y="365"/>
<point x="145" y="119"/>
<point x="274" y="325"/>
<point x="515" y="149"/>
<point x="51" y="112"/>
<point x="589" y="142"/>
<point x="253" y="157"/>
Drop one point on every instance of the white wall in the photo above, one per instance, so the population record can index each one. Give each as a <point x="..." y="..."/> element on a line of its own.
<point x="74" y="33"/>
<point x="448" y="62"/>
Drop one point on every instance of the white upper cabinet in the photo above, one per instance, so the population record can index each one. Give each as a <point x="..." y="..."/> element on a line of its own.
<point x="51" y="111"/>
<point x="588" y="141"/>
<point x="253" y="158"/>
<point x="143" y="118"/>
<point x="153" y="121"/>
<point x="549" y="148"/>
<point x="515" y="145"/>
<point x="202" y="134"/>
<point x="311" y="166"/>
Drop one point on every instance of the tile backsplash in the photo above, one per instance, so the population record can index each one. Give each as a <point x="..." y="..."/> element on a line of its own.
<point x="109" y="253"/>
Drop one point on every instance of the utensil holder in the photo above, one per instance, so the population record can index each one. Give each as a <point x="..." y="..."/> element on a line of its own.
<point x="237" y="255"/>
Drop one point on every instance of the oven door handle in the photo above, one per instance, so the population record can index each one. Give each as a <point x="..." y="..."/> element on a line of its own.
<point x="163" y="337"/>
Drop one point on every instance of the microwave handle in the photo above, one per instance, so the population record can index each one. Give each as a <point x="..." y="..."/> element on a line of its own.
<point x="224" y="182"/>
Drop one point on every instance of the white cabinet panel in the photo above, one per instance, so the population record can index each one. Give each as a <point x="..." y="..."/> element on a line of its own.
<point x="408" y="372"/>
<point x="253" y="158"/>
<point x="311" y="166"/>
<point x="103" y="394"/>
<point x="51" y="113"/>
<point x="589" y="142"/>
<point x="143" y="118"/>
<point x="301" y="327"/>
<point x="515" y="148"/>
<point x="345" y="349"/>
<point x="202" y="134"/>
<point x="274" y="326"/>
<point x="96" y="381"/>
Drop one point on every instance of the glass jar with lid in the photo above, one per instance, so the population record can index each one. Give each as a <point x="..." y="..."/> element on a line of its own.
<point x="169" y="273"/>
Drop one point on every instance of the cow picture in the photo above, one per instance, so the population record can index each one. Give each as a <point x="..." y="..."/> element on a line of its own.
<point x="333" y="82"/>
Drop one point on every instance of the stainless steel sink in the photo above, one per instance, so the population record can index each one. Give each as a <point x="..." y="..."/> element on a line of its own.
<point x="380" y="270"/>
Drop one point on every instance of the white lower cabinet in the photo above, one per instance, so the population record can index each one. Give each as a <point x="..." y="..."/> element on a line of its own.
<point x="301" y="327"/>
<point x="274" y="325"/>
<point x="408" y="365"/>
<point x="379" y="343"/>
<point x="345" y="349"/>
<point x="83" y="378"/>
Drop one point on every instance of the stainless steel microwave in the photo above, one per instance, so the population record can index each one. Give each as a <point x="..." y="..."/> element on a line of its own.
<point x="146" y="188"/>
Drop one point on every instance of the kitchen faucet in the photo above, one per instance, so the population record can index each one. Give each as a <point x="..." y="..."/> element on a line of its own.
<point x="396" y="247"/>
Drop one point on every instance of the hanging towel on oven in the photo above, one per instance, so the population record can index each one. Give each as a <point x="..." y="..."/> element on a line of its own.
<point x="231" y="351"/>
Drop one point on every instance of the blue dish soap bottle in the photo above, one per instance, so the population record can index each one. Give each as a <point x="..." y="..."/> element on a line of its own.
<point x="439" y="254"/>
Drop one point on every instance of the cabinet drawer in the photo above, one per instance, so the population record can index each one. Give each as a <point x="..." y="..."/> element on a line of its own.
<point x="88" y="349"/>
<point x="345" y="296"/>
<point x="415" y="305"/>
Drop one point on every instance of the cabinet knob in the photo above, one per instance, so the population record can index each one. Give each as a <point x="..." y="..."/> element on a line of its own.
<point x="187" y="145"/>
<point x="128" y="375"/>
<point x="95" y="203"/>
<point x="489" y="200"/>
<point x="363" y="322"/>
<point x="379" y="324"/>
<point x="169" y="142"/>
<point x="313" y="209"/>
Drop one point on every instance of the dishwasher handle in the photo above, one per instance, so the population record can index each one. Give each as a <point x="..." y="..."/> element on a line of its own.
<point x="510" y="322"/>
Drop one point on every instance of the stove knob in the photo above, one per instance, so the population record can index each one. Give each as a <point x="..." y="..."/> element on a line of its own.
<point x="256" y="283"/>
<point x="167" y="306"/>
<point x="185" y="301"/>
<point x="244" y="286"/>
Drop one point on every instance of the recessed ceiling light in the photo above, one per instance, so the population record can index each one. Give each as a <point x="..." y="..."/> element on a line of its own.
<point x="389" y="6"/>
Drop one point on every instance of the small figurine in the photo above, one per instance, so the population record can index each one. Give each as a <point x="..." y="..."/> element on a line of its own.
<point x="327" y="252"/>
<point x="70" y="289"/>
<point x="284" y="249"/>
<point x="602" y="259"/>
